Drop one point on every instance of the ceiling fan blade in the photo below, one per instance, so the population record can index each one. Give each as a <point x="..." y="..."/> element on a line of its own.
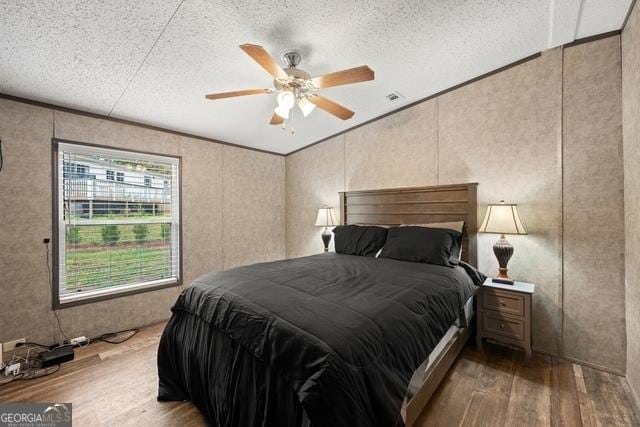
<point x="344" y="77"/>
<point x="235" y="93"/>
<point x="266" y="61"/>
<point x="276" y="120"/>
<point x="331" y="107"/>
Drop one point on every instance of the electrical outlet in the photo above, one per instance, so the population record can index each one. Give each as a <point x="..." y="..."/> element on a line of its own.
<point x="11" y="345"/>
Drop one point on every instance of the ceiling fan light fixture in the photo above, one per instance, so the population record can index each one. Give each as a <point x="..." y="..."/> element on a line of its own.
<point x="305" y="106"/>
<point x="282" y="111"/>
<point x="286" y="100"/>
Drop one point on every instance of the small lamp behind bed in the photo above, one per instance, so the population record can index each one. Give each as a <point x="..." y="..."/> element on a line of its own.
<point x="325" y="219"/>
<point x="503" y="219"/>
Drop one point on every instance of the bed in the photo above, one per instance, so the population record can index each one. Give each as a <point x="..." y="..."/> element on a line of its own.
<point x="330" y="339"/>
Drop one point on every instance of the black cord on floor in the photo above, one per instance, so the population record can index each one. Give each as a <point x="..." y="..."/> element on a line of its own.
<point x="108" y="337"/>
<point x="39" y="373"/>
<point x="30" y="365"/>
<point x="1" y="157"/>
<point x="33" y="372"/>
<point x="31" y="375"/>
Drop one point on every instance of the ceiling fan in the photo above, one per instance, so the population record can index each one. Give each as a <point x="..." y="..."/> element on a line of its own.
<point x="295" y="86"/>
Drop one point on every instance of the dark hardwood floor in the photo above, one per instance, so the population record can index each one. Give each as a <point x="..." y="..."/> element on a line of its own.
<point x="116" y="385"/>
<point x="497" y="388"/>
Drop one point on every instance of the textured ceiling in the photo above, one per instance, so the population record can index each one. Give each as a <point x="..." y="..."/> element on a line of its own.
<point x="153" y="61"/>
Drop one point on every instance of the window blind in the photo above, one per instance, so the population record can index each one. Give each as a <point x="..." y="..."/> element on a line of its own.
<point x="118" y="221"/>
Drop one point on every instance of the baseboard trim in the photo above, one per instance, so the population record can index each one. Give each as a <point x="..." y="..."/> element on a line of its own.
<point x="582" y="362"/>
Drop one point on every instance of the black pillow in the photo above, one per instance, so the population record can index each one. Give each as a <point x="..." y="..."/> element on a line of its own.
<point x="360" y="240"/>
<point x="438" y="246"/>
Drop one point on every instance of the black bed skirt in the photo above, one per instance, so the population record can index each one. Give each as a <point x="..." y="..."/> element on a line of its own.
<point x="229" y="385"/>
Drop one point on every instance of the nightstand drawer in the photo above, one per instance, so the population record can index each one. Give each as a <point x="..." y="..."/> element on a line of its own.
<point x="503" y="301"/>
<point x="503" y="326"/>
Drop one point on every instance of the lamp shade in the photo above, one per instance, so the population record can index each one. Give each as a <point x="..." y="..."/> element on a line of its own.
<point x="325" y="217"/>
<point x="502" y="219"/>
<point x="306" y="106"/>
<point x="282" y="112"/>
<point x="286" y="99"/>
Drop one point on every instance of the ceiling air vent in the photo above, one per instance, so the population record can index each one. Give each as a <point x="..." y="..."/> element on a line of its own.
<point x="394" y="96"/>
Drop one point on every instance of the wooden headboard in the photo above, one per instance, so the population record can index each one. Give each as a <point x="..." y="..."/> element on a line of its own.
<point x="417" y="205"/>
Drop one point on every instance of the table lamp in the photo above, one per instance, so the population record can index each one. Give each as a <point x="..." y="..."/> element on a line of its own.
<point x="503" y="218"/>
<point x="325" y="219"/>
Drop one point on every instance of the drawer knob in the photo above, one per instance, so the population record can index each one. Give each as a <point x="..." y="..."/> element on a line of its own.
<point x="501" y="325"/>
<point x="502" y="303"/>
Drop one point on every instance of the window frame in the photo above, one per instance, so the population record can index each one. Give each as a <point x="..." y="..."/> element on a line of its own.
<point x="121" y="291"/>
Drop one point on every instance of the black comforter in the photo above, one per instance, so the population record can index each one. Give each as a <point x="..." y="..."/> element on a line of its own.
<point x="342" y="334"/>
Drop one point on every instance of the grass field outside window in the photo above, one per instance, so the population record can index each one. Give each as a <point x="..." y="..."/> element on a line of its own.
<point x="91" y="263"/>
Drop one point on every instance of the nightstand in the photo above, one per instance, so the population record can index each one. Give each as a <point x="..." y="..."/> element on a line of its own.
<point x="504" y="314"/>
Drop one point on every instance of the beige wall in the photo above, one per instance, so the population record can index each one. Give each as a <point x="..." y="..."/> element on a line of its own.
<point x="314" y="177"/>
<point x="254" y="201"/>
<point x="223" y="187"/>
<point x="631" y="131"/>
<point x="503" y="132"/>
<point x="593" y="204"/>
<point x="506" y="133"/>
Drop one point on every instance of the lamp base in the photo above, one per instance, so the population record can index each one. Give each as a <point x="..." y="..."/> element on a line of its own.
<point x="326" y="238"/>
<point x="503" y="251"/>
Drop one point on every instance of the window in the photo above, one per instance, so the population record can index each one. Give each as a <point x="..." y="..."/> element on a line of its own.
<point x="114" y="236"/>
<point x="75" y="171"/>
